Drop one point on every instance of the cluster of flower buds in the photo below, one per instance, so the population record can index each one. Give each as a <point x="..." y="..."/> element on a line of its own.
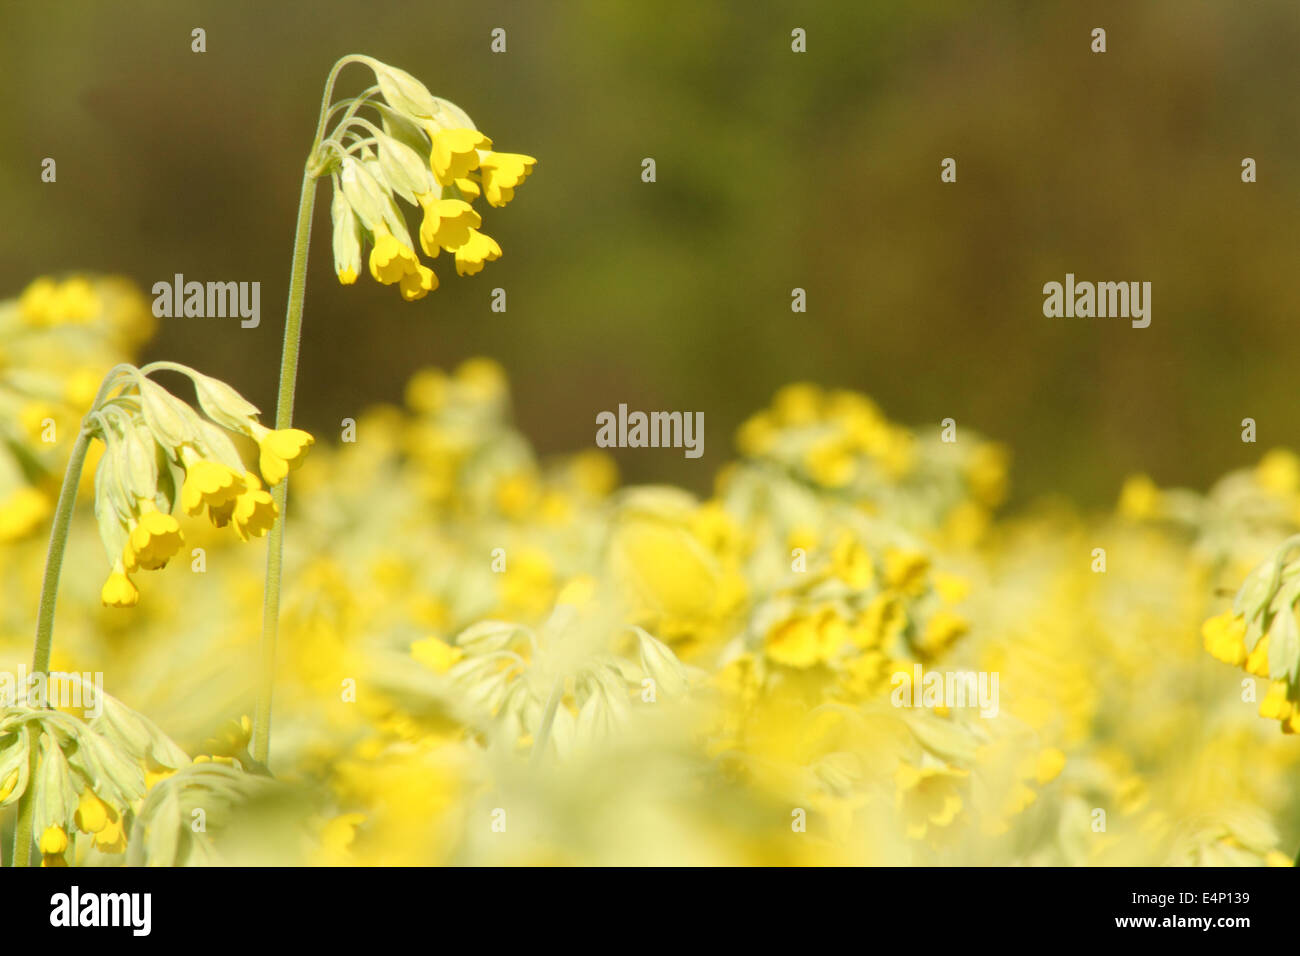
<point x="425" y="151"/>
<point x="160" y="452"/>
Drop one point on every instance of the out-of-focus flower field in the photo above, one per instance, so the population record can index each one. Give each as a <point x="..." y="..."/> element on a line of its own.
<point x="487" y="658"/>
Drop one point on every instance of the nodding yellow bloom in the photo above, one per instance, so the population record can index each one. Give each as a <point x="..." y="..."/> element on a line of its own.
<point x="454" y="153"/>
<point x="1225" y="638"/>
<point x="282" y="450"/>
<point x="477" y="250"/>
<point x="92" y="813"/>
<point x="417" y="284"/>
<point x="209" y="484"/>
<point x="447" y="223"/>
<point x="153" y="541"/>
<point x="118" y="591"/>
<point x="254" y="511"/>
<point x="390" y="258"/>
<point x="1276" y="705"/>
<point x="1257" y="660"/>
<point x="501" y="173"/>
<point x="112" y="838"/>
<point x="54" y="841"/>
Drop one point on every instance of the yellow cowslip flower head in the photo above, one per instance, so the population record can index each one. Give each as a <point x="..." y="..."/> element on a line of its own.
<point x="1257" y="660"/>
<point x="416" y="285"/>
<point x="282" y="450"/>
<point x="153" y="540"/>
<point x="54" y="840"/>
<point x="454" y="153"/>
<point x="501" y="173"/>
<point x="92" y="813"/>
<point x="447" y="223"/>
<point x="159" y="452"/>
<point x="390" y="257"/>
<point x="397" y="141"/>
<point x="479" y="249"/>
<point x="112" y="837"/>
<point x="1275" y="705"/>
<point x="118" y="591"/>
<point x="254" y="511"/>
<point x="53" y="844"/>
<point x="1225" y="638"/>
<point x="208" y="484"/>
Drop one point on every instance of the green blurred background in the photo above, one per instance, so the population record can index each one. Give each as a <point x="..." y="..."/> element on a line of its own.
<point x="775" y="170"/>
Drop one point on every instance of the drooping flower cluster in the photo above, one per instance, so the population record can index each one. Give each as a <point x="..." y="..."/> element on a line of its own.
<point x="425" y="151"/>
<point x="161" y="453"/>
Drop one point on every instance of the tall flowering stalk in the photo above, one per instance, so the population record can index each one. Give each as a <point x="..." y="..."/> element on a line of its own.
<point x="394" y="140"/>
<point x="159" y="453"/>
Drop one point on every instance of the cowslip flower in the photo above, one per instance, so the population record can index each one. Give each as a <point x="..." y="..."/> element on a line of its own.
<point x="160" y="453"/>
<point x="54" y="843"/>
<point x="399" y="141"/>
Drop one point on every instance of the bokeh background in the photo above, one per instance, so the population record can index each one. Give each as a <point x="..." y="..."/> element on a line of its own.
<point x="775" y="170"/>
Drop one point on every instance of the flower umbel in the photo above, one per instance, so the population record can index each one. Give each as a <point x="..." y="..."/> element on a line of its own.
<point x="161" y="452"/>
<point x="399" y="141"/>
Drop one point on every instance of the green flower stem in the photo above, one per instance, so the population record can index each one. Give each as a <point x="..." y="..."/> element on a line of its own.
<point x="284" y="419"/>
<point x="45" y="619"/>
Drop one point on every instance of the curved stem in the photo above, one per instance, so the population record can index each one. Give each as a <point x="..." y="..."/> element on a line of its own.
<point x="283" y="419"/>
<point x="45" y="618"/>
